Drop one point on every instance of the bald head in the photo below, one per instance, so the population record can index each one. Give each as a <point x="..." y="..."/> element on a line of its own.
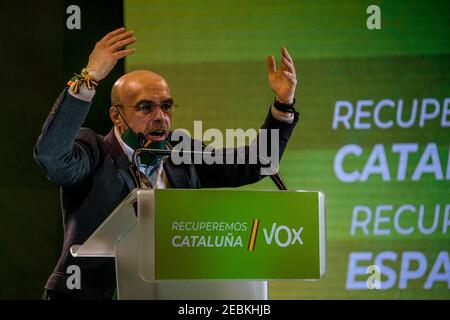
<point x="133" y="92"/>
<point x="133" y="85"/>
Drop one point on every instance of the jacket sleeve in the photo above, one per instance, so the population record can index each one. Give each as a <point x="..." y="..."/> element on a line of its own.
<point x="66" y="153"/>
<point x="234" y="175"/>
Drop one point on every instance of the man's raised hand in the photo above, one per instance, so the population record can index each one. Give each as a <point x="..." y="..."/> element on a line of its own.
<point x="107" y="51"/>
<point x="284" y="80"/>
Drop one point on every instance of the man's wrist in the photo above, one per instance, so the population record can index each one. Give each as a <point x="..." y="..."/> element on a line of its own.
<point x="286" y="117"/>
<point x="84" y="78"/>
<point x="93" y="74"/>
<point x="84" y="93"/>
<point x="284" y="107"/>
<point x="285" y="100"/>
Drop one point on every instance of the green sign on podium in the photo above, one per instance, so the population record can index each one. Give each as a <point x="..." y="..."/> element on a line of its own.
<point x="224" y="234"/>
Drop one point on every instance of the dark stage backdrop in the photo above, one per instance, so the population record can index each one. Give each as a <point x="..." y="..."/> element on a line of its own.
<point x="39" y="54"/>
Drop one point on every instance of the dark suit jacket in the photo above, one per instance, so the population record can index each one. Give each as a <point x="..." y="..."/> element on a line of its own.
<point x="94" y="176"/>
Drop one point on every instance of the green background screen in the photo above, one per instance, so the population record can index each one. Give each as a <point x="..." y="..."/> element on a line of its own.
<point x="387" y="201"/>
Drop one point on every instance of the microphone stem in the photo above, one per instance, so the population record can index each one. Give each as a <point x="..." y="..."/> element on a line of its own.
<point x="275" y="176"/>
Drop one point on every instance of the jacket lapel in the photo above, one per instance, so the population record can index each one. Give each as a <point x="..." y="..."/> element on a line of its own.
<point x="114" y="149"/>
<point x="177" y="175"/>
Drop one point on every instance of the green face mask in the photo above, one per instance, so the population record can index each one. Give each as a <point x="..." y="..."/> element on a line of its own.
<point x="133" y="141"/>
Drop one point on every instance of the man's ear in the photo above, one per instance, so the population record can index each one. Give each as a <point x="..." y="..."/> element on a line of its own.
<point x="116" y="118"/>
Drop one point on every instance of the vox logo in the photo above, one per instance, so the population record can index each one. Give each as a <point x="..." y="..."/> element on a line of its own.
<point x="283" y="235"/>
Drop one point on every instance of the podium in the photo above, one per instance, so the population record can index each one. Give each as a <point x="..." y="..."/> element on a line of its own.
<point x="211" y="243"/>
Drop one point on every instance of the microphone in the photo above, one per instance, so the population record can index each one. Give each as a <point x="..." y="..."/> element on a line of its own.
<point x="275" y="176"/>
<point x="141" y="139"/>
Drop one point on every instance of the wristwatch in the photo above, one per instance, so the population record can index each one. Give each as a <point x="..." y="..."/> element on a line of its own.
<point x="284" y="107"/>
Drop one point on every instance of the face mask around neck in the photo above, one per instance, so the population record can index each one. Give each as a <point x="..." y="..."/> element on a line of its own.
<point x="134" y="141"/>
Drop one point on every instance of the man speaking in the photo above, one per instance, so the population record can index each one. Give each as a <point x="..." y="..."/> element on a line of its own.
<point x="93" y="171"/>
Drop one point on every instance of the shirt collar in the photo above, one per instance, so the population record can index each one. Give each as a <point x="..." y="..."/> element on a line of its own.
<point x="126" y="148"/>
<point x="129" y="152"/>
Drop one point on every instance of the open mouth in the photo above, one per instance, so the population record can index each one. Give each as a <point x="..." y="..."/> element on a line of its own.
<point x="158" y="134"/>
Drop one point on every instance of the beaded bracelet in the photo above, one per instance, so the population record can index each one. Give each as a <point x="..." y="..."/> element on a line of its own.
<point x="79" y="79"/>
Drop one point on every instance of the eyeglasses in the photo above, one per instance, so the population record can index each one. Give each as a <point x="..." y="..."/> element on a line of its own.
<point x="148" y="106"/>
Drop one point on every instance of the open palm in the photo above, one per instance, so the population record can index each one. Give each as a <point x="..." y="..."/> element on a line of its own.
<point x="284" y="80"/>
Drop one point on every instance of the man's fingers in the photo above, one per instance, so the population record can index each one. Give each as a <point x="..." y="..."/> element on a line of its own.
<point x="286" y="54"/>
<point x="291" y="77"/>
<point x="271" y="64"/>
<point x="119" y="37"/>
<point x="289" y="65"/>
<point x="122" y="43"/>
<point x="123" y="53"/>
<point x="113" y="33"/>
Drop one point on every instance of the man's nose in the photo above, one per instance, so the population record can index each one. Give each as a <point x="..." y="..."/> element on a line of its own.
<point x="158" y="112"/>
